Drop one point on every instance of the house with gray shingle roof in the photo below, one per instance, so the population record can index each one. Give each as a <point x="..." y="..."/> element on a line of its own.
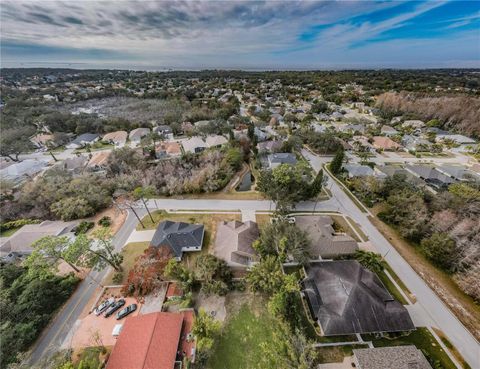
<point x="395" y="357"/>
<point x="180" y="237"/>
<point x="324" y="241"/>
<point x="346" y="298"/>
<point x="274" y="160"/>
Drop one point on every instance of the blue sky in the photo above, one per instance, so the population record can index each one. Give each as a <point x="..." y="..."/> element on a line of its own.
<point x="241" y="34"/>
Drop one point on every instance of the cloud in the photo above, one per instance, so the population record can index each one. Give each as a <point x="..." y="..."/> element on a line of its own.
<point x="204" y="33"/>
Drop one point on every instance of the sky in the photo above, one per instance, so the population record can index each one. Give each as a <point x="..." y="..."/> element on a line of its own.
<point x="251" y="35"/>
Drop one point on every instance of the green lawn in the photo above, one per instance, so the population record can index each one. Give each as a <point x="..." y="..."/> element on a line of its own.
<point x="391" y="288"/>
<point x="130" y="252"/>
<point x="422" y="339"/>
<point x="239" y="345"/>
<point x="335" y="354"/>
<point x="9" y="232"/>
<point x="399" y="281"/>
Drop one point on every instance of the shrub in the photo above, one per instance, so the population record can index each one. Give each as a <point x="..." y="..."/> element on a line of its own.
<point x="106" y="221"/>
<point x="17" y="223"/>
<point x="83" y="227"/>
<point x="117" y="277"/>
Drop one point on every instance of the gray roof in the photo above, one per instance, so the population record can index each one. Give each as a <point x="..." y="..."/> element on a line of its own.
<point x="86" y="137"/>
<point x="346" y="298"/>
<point x="430" y="175"/>
<point x="357" y="170"/>
<point x="22" y="240"/>
<point x="324" y="242"/>
<point x="270" y="145"/>
<point x="282" y="158"/>
<point x="178" y="235"/>
<point x="459" y="172"/>
<point x="234" y="240"/>
<point x="396" y="357"/>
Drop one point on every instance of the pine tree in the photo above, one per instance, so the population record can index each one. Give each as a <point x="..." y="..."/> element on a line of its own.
<point x="336" y="164"/>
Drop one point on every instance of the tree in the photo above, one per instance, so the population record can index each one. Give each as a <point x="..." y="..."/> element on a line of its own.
<point x="266" y="276"/>
<point x="15" y="141"/>
<point x="320" y="107"/>
<point x="177" y="271"/>
<point x="142" y="193"/>
<point x="95" y="254"/>
<point x="214" y="274"/>
<point x="205" y="329"/>
<point x="336" y="163"/>
<point x="148" y="271"/>
<point x="441" y="249"/>
<point x="317" y="184"/>
<point x="370" y="260"/>
<point x="72" y="208"/>
<point x="47" y="252"/>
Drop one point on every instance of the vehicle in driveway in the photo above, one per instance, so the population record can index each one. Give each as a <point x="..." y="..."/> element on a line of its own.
<point x="113" y="308"/>
<point x="128" y="310"/>
<point x="104" y="306"/>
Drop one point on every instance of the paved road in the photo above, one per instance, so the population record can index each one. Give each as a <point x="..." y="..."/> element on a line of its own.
<point x="55" y="334"/>
<point x="430" y="306"/>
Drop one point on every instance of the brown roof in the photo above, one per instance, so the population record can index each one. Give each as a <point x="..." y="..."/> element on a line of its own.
<point x="324" y="241"/>
<point x="118" y="136"/>
<point x="234" y="240"/>
<point x="99" y="159"/>
<point x="147" y="342"/>
<point x="169" y="147"/>
<point x="385" y="143"/>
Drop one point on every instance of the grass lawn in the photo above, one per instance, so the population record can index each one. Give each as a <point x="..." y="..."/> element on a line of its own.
<point x="130" y="252"/>
<point x="335" y="354"/>
<point x="223" y="195"/>
<point x="341" y="225"/>
<point x="354" y="225"/>
<point x="399" y="282"/>
<point x="452" y="348"/>
<point x="9" y="232"/>
<point x="422" y="339"/>
<point x="262" y="220"/>
<point x="391" y="288"/>
<point x="239" y="346"/>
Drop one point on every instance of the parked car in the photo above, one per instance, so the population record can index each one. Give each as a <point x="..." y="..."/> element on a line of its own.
<point x="128" y="310"/>
<point x="104" y="306"/>
<point x="113" y="308"/>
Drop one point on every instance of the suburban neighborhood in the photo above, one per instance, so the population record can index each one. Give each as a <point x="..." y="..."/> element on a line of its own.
<point x="234" y="220"/>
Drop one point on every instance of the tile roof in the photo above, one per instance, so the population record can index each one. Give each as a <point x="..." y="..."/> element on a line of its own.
<point x="147" y="342"/>
<point x="346" y="298"/>
<point x="385" y="143"/>
<point x="178" y="236"/>
<point x="324" y="241"/>
<point x="396" y="357"/>
<point x="117" y="137"/>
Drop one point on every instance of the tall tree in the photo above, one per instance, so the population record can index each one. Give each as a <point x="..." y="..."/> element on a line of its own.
<point x="370" y="260"/>
<point x="16" y="141"/>
<point x="140" y="193"/>
<point x="336" y="163"/>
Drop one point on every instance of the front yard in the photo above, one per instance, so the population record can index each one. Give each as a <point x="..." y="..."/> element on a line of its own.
<point x="130" y="252"/>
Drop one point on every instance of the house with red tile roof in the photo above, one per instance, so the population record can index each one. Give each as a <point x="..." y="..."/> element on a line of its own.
<point x="154" y="341"/>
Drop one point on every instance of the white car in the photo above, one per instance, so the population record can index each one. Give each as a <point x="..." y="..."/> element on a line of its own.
<point x="104" y="306"/>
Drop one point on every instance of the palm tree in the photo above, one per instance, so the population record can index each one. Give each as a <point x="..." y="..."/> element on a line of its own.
<point x="370" y="260"/>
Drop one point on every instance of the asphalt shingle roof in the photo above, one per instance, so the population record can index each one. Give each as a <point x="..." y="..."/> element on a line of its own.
<point x="178" y="235"/>
<point x="347" y="298"/>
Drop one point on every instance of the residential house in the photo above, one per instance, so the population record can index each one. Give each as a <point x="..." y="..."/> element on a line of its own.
<point x="194" y="145"/>
<point x="269" y="146"/>
<point x="234" y="241"/>
<point x="74" y="164"/>
<point x="430" y="175"/>
<point x="385" y="144"/>
<point x="179" y="237"/>
<point x="23" y="170"/>
<point x="391" y="170"/>
<point x="167" y="149"/>
<point x="83" y="140"/>
<point x="201" y="124"/>
<point x="388" y="131"/>
<point x="215" y="141"/>
<point x="352" y="128"/>
<point x="459" y="173"/>
<point x="154" y="341"/>
<point x="41" y="140"/>
<point x="463" y="143"/>
<point x="414" y="143"/>
<point x="165" y="131"/>
<point x="137" y="134"/>
<point x="98" y="161"/>
<point x="358" y="170"/>
<point x="22" y="240"/>
<point x="345" y="298"/>
<point x="118" y="138"/>
<point x="395" y="357"/>
<point x="276" y="159"/>
<point x="261" y="136"/>
<point x="324" y="241"/>
<point x="417" y="124"/>
<point x="319" y="128"/>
